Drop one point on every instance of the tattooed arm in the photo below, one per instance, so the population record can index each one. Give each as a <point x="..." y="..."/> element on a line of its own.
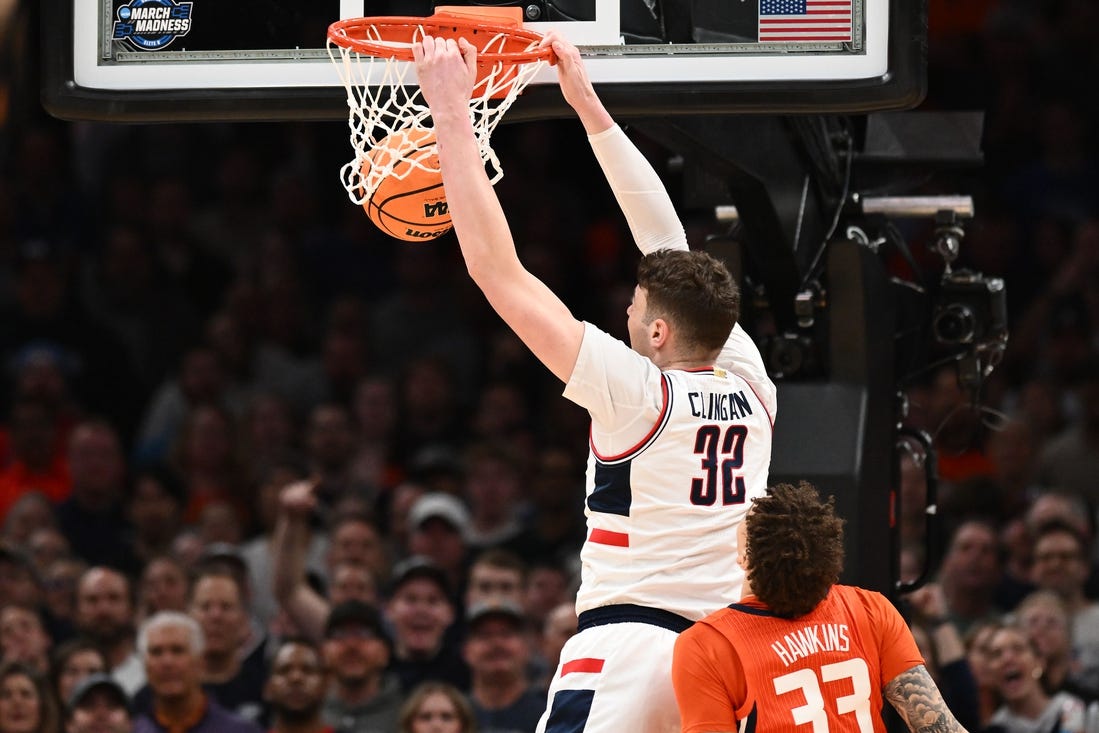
<point x="917" y="699"/>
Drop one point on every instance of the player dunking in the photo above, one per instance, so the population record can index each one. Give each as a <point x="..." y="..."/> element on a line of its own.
<point x="681" y="423"/>
<point x="800" y="650"/>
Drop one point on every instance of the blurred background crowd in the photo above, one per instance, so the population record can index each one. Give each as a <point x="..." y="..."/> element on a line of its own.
<point x="193" y="318"/>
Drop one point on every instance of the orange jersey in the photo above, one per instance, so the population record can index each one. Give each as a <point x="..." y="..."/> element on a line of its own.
<point x="744" y="668"/>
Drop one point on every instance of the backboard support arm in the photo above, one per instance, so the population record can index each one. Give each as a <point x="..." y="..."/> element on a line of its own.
<point x="780" y="174"/>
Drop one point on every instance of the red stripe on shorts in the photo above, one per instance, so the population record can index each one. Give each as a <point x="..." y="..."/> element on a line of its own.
<point x="588" y="664"/>
<point x="606" y="537"/>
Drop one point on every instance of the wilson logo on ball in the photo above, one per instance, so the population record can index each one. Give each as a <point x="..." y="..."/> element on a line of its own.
<point x="413" y="234"/>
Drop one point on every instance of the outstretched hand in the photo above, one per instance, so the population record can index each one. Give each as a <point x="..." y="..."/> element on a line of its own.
<point x="447" y="71"/>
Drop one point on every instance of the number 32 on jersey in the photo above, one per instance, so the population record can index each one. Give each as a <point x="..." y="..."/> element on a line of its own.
<point x="721" y="456"/>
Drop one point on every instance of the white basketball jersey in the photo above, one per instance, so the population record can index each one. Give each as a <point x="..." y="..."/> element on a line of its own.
<point x="676" y="458"/>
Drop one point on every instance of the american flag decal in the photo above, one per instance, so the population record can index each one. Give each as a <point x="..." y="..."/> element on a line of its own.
<point x="804" y="20"/>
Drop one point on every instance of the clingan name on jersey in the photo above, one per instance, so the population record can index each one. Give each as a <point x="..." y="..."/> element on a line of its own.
<point x="719" y="405"/>
<point x="151" y="25"/>
<point x="810" y="640"/>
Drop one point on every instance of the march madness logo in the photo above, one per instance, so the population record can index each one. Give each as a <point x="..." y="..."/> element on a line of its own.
<point x="150" y="25"/>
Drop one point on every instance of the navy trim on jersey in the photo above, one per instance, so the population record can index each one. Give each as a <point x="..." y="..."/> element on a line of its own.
<point x="613" y="493"/>
<point x="661" y="421"/>
<point x="569" y="711"/>
<point x="748" y="725"/>
<point x="625" y="613"/>
<point x="753" y="610"/>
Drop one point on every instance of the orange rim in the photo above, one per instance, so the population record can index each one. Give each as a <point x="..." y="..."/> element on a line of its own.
<point x="392" y="37"/>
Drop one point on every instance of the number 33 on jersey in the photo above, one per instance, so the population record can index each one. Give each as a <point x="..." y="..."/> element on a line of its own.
<point x="821" y="673"/>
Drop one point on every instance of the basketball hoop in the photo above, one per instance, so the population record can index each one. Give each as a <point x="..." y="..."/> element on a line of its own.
<point x="383" y="96"/>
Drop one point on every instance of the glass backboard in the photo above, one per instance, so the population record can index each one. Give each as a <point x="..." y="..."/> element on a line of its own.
<point x="150" y="60"/>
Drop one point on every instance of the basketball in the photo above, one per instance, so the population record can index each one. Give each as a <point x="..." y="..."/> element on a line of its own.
<point x="409" y="203"/>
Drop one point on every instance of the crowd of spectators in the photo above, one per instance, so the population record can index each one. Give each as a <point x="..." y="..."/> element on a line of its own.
<point x="1009" y="626"/>
<point x="260" y="465"/>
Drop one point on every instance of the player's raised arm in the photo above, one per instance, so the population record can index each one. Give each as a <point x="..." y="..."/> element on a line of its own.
<point x="919" y="702"/>
<point x="447" y="71"/>
<point x="639" y="191"/>
<point x="575" y="86"/>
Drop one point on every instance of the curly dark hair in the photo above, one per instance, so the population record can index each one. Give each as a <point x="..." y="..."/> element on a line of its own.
<point x="693" y="290"/>
<point x="794" y="548"/>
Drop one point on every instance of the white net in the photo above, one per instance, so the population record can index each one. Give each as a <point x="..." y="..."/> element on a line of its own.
<point x="383" y="98"/>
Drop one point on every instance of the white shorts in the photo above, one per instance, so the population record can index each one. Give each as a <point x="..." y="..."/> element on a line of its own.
<point x="615" y="678"/>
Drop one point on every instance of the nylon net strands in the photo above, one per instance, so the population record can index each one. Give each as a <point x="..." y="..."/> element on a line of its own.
<point x="373" y="57"/>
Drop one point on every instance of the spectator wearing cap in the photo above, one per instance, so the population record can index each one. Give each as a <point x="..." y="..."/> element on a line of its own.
<point x="296" y="688"/>
<point x="438" y="525"/>
<point x="105" y="614"/>
<point x="23" y="638"/>
<point x="421" y="609"/>
<point x="99" y="705"/>
<point x="499" y="575"/>
<point x="171" y="647"/>
<point x="363" y="698"/>
<point x="496" y="649"/>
